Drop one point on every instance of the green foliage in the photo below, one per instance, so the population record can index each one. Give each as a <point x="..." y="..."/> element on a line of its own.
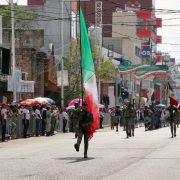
<point x="72" y="64"/>
<point x="22" y="17"/>
<point x="105" y="70"/>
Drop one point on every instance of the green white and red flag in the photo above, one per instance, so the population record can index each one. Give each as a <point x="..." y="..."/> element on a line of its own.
<point x="89" y="77"/>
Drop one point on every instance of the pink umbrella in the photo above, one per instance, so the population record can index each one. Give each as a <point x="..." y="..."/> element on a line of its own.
<point x="27" y="102"/>
<point x="72" y="102"/>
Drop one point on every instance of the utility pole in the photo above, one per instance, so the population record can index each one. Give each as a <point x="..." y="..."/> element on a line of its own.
<point x="13" y="51"/>
<point x="62" y="53"/>
<point x="98" y="24"/>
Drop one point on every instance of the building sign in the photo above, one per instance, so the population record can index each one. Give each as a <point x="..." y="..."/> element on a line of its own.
<point x="65" y="78"/>
<point x="146" y="52"/>
<point x="21" y="85"/>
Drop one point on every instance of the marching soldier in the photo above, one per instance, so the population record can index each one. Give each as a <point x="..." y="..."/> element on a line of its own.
<point x="132" y="122"/>
<point x="117" y="117"/>
<point x="85" y="121"/>
<point x="128" y="115"/>
<point x="173" y="115"/>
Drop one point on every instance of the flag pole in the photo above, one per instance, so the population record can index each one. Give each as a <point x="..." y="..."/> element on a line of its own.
<point x="82" y="91"/>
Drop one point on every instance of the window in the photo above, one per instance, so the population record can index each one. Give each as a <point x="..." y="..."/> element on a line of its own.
<point x="140" y="24"/>
<point x="24" y="76"/>
<point x="137" y="51"/>
<point x="110" y="50"/>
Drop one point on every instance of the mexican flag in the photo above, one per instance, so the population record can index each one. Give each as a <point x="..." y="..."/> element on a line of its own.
<point x="89" y="78"/>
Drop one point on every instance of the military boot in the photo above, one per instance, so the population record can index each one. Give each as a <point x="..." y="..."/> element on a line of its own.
<point x="85" y="155"/>
<point x="76" y="147"/>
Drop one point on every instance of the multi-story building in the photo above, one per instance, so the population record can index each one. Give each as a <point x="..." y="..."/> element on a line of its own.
<point x="132" y="30"/>
<point x="50" y="16"/>
<point x="108" y="7"/>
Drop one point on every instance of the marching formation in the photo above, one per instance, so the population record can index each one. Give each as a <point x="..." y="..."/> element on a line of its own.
<point x="44" y="120"/>
<point x="151" y="117"/>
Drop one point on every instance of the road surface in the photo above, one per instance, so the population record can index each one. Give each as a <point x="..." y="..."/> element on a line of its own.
<point x="150" y="155"/>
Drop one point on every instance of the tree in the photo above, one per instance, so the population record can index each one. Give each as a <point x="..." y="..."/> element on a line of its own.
<point x="72" y="64"/>
<point x="22" y="17"/>
<point x="104" y="70"/>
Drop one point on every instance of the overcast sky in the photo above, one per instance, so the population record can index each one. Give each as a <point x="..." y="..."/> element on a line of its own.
<point x="170" y="34"/>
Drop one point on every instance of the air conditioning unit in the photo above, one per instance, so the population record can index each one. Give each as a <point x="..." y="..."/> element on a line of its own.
<point x="24" y="76"/>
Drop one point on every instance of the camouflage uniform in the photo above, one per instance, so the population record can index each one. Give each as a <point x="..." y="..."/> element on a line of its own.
<point x="117" y="117"/>
<point x="132" y="122"/>
<point x="128" y="116"/>
<point x="173" y="115"/>
<point x="85" y="120"/>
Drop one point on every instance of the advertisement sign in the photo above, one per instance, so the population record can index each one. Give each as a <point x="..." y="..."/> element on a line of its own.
<point x="146" y="52"/>
<point x="21" y="85"/>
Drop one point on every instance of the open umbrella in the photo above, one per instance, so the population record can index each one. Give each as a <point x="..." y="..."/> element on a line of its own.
<point x="43" y="100"/>
<point x="161" y="105"/>
<point x="27" y="102"/>
<point x="72" y="102"/>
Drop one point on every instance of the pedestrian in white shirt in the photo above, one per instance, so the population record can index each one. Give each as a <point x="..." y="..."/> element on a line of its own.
<point x="26" y="120"/>
<point x="65" y="119"/>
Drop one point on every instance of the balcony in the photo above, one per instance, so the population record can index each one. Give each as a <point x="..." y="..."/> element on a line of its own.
<point x="158" y="39"/>
<point x="144" y="14"/>
<point x="148" y="33"/>
<point x="158" y="23"/>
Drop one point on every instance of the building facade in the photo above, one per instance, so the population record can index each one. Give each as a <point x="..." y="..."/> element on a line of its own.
<point x="108" y="7"/>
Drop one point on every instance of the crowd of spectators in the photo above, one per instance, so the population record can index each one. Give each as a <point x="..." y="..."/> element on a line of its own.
<point x="22" y="121"/>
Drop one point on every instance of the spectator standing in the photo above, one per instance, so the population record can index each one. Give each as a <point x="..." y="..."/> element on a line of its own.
<point x="101" y="118"/>
<point x="26" y="120"/>
<point x="65" y="119"/>
<point x="43" y="113"/>
<point x="112" y="117"/>
<point x="54" y="117"/>
<point x="38" y="119"/>
<point x="3" y="120"/>
<point x="48" y="121"/>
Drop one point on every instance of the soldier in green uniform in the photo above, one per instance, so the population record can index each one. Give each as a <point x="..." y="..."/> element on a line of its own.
<point x="173" y="115"/>
<point x="75" y="118"/>
<point x="128" y="115"/>
<point x="117" y="117"/>
<point x="85" y="121"/>
<point x="132" y="121"/>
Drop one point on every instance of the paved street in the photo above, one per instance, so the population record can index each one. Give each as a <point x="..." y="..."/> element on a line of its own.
<point x="151" y="155"/>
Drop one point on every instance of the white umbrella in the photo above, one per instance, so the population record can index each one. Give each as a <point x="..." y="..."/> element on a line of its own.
<point x="44" y="100"/>
<point x="161" y="105"/>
